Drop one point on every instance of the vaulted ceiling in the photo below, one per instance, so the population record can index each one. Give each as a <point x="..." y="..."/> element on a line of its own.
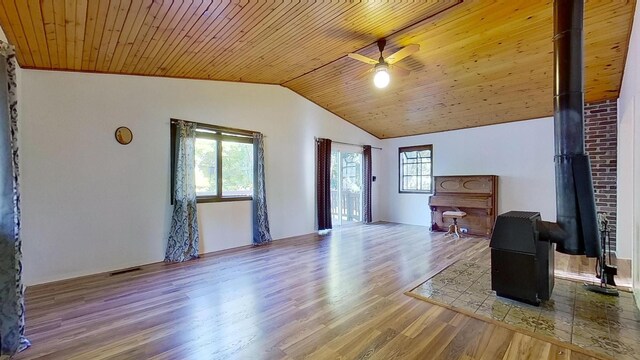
<point x="481" y="62"/>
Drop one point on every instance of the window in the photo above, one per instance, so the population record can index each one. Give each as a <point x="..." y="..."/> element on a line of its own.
<point x="415" y="169"/>
<point x="224" y="163"/>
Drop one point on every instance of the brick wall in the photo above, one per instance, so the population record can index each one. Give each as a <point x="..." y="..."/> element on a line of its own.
<point x="601" y="141"/>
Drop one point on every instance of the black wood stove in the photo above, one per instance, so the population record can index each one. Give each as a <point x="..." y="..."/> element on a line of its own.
<point x="521" y="261"/>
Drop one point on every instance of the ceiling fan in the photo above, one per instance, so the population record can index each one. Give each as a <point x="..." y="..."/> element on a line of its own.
<point x="382" y="66"/>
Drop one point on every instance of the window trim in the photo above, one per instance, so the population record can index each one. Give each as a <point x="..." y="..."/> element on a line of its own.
<point x="223" y="134"/>
<point x="414" y="148"/>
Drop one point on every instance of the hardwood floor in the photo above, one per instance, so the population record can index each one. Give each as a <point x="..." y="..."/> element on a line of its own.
<point x="583" y="269"/>
<point x="338" y="296"/>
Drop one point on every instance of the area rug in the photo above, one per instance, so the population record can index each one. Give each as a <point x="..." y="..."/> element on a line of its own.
<point x="603" y="325"/>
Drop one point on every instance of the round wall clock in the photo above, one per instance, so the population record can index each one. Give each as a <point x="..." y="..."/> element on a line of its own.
<point x="124" y="135"/>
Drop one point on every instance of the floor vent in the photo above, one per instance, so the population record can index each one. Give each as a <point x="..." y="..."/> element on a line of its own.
<point x="124" y="271"/>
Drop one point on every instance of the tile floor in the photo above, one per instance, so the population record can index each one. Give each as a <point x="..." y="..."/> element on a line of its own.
<point x="603" y="324"/>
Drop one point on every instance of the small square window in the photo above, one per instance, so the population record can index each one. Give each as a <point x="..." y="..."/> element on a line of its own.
<point x="416" y="167"/>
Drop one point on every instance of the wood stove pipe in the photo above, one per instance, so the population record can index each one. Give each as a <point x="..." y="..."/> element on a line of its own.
<point x="576" y="231"/>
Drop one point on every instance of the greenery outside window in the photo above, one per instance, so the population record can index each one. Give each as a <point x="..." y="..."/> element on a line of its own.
<point x="416" y="165"/>
<point x="224" y="163"/>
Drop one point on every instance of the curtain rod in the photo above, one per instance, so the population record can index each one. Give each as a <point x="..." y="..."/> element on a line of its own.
<point x="220" y="128"/>
<point x="346" y="143"/>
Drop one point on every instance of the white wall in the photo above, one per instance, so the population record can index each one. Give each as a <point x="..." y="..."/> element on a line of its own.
<point x="628" y="229"/>
<point x="627" y="122"/>
<point x="520" y="153"/>
<point x="93" y="205"/>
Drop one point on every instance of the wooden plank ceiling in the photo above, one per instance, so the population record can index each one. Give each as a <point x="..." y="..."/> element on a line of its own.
<point x="481" y="62"/>
<point x="269" y="41"/>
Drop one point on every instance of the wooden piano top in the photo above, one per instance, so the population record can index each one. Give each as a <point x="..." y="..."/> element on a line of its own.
<point x="465" y="184"/>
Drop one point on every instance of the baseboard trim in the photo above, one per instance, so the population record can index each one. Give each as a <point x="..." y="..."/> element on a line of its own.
<point x="136" y="270"/>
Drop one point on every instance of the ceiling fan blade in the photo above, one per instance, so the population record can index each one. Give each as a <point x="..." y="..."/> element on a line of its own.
<point x="399" y="70"/>
<point x="364" y="74"/>
<point x="362" y="58"/>
<point x="402" y="53"/>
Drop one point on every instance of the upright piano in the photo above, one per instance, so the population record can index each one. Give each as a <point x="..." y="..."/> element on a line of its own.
<point x="477" y="195"/>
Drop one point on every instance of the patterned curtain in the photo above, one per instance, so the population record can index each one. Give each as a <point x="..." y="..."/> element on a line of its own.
<point x="366" y="180"/>
<point x="12" y="338"/>
<point x="261" y="234"/>
<point x="183" y="235"/>
<point x="323" y="183"/>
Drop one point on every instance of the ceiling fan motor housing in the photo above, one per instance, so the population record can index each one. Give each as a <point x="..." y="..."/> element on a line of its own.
<point x="382" y="66"/>
<point x="381" y="44"/>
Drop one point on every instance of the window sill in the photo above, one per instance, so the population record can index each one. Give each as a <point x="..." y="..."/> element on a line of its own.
<point x="210" y="199"/>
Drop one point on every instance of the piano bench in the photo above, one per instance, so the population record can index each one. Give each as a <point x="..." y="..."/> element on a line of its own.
<point x="453" y="228"/>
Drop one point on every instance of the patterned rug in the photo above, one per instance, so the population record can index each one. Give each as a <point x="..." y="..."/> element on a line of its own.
<point x="608" y="326"/>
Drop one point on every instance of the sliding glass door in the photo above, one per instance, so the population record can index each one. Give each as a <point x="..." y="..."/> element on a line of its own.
<point x="346" y="187"/>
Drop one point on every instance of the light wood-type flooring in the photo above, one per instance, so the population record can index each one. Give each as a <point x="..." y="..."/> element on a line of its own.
<point x="583" y="269"/>
<point x="337" y="296"/>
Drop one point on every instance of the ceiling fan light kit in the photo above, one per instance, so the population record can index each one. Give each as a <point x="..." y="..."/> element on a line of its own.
<point x="381" y="76"/>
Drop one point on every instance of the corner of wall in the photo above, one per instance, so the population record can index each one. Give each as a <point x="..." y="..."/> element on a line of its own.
<point x="629" y="154"/>
<point x="3" y="37"/>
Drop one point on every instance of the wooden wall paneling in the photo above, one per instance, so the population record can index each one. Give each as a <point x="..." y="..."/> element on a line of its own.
<point x="229" y="12"/>
<point x="349" y="31"/>
<point x="143" y="38"/>
<point x="476" y="64"/>
<point x="300" y="28"/>
<point x="70" y="31"/>
<point x="607" y="29"/>
<point x="103" y="35"/>
<point x="20" y="10"/>
<point x="458" y="95"/>
<point x="185" y="26"/>
<point x="480" y="62"/>
<point x="382" y="29"/>
<point x="107" y="31"/>
<point x="80" y="26"/>
<point x="206" y="32"/>
<point x="310" y="37"/>
<point x="101" y="21"/>
<point x="299" y="31"/>
<point x="246" y="19"/>
<point x="115" y="32"/>
<point x="33" y="9"/>
<point x="243" y="19"/>
<point x="61" y="31"/>
<point x="130" y="29"/>
<point x="159" y="35"/>
<point x="8" y="31"/>
<point x="452" y="53"/>
<point x="196" y="36"/>
<point x="258" y="38"/>
<point x="48" y="18"/>
<point x="163" y="37"/>
<point x="14" y="32"/>
<point x="429" y="96"/>
<point x="89" y="29"/>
